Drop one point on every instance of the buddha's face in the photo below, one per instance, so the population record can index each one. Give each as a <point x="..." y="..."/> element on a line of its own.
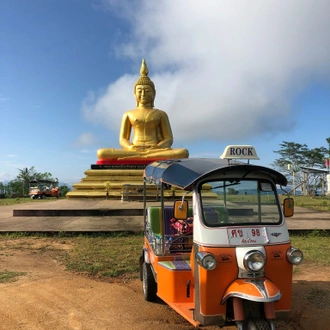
<point x="144" y="94"/>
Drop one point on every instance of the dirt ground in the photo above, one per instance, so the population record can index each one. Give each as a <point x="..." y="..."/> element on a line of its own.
<point x="47" y="296"/>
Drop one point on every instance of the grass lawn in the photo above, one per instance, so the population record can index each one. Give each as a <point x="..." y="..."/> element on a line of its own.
<point x="117" y="255"/>
<point x="14" y="201"/>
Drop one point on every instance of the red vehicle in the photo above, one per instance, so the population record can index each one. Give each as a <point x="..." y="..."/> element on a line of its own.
<point x="43" y="188"/>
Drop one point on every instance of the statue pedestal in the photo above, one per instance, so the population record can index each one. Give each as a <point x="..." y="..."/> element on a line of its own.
<point x="125" y="180"/>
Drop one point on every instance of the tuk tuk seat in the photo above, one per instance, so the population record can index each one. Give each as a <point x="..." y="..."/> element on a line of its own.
<point x="154" y="219"/>
<point x="212" y="214"/>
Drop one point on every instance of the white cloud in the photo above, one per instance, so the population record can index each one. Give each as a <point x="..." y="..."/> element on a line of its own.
<point x="85" y="140"/>
<point x="221" y="68"/>
<point x="108" y="107"/>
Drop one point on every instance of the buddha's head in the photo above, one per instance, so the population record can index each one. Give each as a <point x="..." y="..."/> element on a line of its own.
<point x="144" y="85"/>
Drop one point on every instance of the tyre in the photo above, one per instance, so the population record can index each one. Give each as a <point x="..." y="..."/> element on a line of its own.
<point x="42" y="196"/>
<point x="257" y="324"/>
<point x="148" y="283"/>
<point x="141" y="267"/>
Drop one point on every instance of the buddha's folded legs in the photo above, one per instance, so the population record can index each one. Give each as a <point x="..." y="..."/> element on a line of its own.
<point x="151" y="153"/>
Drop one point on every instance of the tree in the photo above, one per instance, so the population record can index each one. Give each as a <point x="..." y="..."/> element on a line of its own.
<point x="2" y="190"/>
<point x="64" y="189"/>
<point x="232" y="191"/>
<point x="328" y="141"/>
<point x="293" y="156"/>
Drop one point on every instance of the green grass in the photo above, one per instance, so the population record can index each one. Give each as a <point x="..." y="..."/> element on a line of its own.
<point x="7" y="276"/>
<point x="314" y="245"/>
<point x="106" y="255"/>
<point x="319" y="203"/>
<point x="102" y="256"/>
<point x="14" y="201"/>
<point x="113" y="255"/>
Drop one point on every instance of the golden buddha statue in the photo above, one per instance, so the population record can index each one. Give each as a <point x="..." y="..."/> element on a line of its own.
<point x="152" y="133"/>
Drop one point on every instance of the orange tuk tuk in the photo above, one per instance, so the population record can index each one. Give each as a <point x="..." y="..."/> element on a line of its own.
<point x="220" y="253"/>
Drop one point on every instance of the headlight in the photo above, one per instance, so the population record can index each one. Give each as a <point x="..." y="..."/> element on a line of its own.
<point x="294" y="256"/>
<point x="206" y="260"/>
<point x="254" y="261"/>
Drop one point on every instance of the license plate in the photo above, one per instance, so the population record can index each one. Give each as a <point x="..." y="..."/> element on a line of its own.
<point x="242" y="236"/>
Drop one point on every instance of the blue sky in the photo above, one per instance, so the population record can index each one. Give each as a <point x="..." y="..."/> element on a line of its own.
<point x="226" y="72"/>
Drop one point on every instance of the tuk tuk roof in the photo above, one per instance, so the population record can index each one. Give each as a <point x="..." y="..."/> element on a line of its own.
<point x="182" y="173"/>
<point x="43" y="181"/>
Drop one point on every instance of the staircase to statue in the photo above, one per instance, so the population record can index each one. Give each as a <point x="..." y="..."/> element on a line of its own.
<point x="116" y="183"/>
<point x="122" y="181"/>
<point x="123" y="184"/>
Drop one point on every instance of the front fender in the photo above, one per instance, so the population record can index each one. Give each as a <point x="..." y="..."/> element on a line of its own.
<point x="259" y="290"/>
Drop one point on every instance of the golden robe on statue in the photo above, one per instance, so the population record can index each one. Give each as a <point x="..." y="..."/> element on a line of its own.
<point x="152" y="136"/>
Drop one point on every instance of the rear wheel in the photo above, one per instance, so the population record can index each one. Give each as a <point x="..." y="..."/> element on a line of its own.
<point x="141" y="262"/>
<point x="257" y="324"/>
<point x="148" y="282"/>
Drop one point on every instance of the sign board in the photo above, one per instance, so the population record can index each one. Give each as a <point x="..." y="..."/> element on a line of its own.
<point x="239" y="152"/>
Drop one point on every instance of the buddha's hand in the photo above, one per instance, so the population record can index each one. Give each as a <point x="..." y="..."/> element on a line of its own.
<point x="131" y="147"/>
<point x="164" y="145"/>
<point x="153" y="147"/>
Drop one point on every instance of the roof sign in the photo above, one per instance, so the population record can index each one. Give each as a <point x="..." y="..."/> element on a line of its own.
<point x="239" y="152"/>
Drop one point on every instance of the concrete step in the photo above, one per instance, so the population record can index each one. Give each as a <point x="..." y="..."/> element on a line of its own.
<point x="77" y="212"/>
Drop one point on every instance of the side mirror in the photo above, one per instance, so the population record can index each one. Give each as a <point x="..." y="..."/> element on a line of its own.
<point x="288" y="207"/>
<point x="181" y="210"/>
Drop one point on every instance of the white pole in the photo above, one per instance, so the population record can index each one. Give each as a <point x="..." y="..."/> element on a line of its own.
<point x="293" y="183"/>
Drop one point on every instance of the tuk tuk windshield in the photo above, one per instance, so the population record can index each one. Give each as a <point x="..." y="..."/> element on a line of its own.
<point x="239" y="202"/>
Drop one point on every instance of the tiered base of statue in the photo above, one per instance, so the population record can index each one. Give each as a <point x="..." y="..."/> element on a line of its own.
<point x="114" y="180"/>
<point x="119" y="180"/>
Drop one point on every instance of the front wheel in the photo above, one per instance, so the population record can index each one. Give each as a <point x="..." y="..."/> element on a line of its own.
<point x="148" y="282"/>
<point x="256" y="324"/>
